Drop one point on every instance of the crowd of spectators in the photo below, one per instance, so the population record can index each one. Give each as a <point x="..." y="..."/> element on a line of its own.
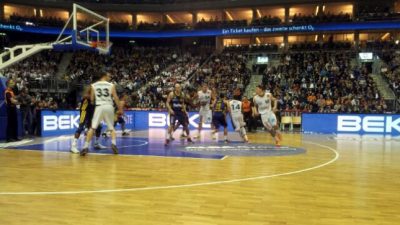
<point x="143" y="26"/>
<point x="380" y="45"/>
<point x="224" y="72"/>
<point x="321" y="18"/>
<point x="215" y="23"/>
<point x="375" y="11"/>
<point x="146" y="72"/>
<point x="131" y="66"/>
<point x="266" y="21"/>
<point x="317" y="46"/>
<point x="252" y="48"/>
<point x="155" y="93"/>
<point x="37" y="21"/>
<point x="391" y="71"/>
<point x="37" y="68"/>
<point x="323" y="82"/>
<point x="305" y="81"/>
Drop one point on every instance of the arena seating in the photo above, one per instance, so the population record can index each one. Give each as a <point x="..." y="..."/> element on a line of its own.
<point x="225" y="71"/>
<point x="306" y="79"/>
<point x="392" y="71"/>
<point x="321" y="18"/>
<point x="266" y="21"/>
<point x="323" y="82"/>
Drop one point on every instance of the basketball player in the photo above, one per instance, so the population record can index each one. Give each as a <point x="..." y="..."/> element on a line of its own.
<point x="263" y="106"/>
<point x="177" y="113"/>
<point x="235" y="109"/>
<point x="86" y="115"/>
<point x="190" y="96"/>
<point x="102" y="94"/>
<point x="219" y="106"/>
<point x="119" y="118"/>
<point x="205" y="114"/>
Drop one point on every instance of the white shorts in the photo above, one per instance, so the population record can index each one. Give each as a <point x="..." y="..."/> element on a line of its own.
<point x="206" y="114"/>
<point x="269" y="120"/>
<point x="238" y="121"/>
<point x="103" y="113"/>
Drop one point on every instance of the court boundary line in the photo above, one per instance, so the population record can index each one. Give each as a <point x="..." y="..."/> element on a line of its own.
<point x="110" y="154"/>
<point x="166" y="187"/>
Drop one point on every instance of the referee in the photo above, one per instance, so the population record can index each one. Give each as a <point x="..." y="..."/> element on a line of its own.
<point x="11" y="105"/>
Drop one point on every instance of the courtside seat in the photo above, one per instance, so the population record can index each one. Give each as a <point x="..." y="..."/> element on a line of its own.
<point x="286" y="120"/>
<point x="296" y="120"/>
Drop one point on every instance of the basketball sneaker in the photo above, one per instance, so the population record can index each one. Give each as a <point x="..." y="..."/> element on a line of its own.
<point x="214" y="136"/>
<point x="74" y="149"/>
<point x="114" y="149"/>
<point x="84" y="151"/>
<point x="189" y="140"/>
<point x="99" y="146"/>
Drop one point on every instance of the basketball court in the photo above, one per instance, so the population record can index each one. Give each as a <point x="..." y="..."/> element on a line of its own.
<point x="311" y="179"/>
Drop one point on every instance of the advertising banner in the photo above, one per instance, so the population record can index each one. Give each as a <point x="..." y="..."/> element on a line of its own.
<point x="55" y="123"/>
<point x="381" y="124"/>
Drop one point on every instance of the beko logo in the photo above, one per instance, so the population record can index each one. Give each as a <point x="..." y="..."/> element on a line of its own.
<point x="162" y="120"/>
<point x="63" y="122"/>
<point x="368" y="124"/>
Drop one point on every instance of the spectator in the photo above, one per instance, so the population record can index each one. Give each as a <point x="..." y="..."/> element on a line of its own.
<point x="11" y="105"/>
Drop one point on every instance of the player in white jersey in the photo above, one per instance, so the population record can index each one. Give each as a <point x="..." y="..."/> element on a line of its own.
<point x="263" y="106"/>
<point x="205" y="114"/>
<point x="103" y="95"/>
<point x="235" y="109"/>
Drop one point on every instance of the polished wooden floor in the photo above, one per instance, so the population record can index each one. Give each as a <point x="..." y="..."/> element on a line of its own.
<point x="361" y="187"/>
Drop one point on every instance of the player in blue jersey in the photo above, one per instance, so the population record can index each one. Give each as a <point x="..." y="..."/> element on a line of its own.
<point x="220" y="108"/>
<point x="177" y="112"/>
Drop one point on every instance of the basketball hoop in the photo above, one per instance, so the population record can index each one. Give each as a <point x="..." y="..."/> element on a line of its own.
<point x="92" y="35"/>
<point x="94" y="44"/>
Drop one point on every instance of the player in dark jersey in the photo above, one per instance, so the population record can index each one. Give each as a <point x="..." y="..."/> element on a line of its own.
<point x="220" y="107"/>
<point x="86" y="114"/>
<point x="177" y="112"/>
<point x="120" y="117"/>
<point x="190" y="94"/>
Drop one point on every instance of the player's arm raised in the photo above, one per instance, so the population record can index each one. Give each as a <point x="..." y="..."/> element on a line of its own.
<point x="116" y="99"/>
<point x="168" y="103"/>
